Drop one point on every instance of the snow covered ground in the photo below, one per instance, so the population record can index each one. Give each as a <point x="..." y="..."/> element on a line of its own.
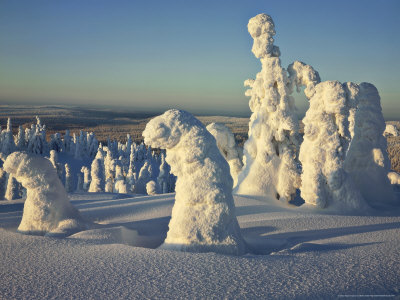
<point x="297" y="253"/>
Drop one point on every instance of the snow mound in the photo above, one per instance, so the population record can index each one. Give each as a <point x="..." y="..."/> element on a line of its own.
<point x="228" y="148"/>
<point x="47" y="208"/>
<point x="203" y="217"/>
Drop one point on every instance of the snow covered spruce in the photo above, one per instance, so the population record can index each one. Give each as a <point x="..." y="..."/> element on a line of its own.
<point x="270" y="168"/>
<point x="367" y="160"/>
<point x="323" y="151"/>
<point x="47" y="208"/>
<point x="228" y="148"/>
<point x="203" y="217"/>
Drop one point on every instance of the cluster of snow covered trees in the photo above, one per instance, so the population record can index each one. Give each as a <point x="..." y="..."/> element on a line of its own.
<point x="82" y="164"/>
<point x="127" y="168"/>
<point x="342" y="161"/>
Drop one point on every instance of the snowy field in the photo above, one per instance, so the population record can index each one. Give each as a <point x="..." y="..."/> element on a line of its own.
<point x="296" y="252"/>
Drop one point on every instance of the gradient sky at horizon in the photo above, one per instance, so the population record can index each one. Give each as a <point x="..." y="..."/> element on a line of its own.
<point x="193" y="55"/>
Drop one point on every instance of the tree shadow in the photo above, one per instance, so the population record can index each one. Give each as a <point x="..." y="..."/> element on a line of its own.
<point x="268" y="243"/>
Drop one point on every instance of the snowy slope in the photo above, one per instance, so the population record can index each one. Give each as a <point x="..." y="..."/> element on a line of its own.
<point x="296" y="253"/>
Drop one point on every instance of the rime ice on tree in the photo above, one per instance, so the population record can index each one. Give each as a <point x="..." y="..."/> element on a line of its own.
<point x="367" y="160"/>
<point x="228" y="148"/>
<point x="47" y="207"/>
<point x="269" y="154"/>
<point x="323" y="151"/>
<point x="97" y="173"/>
<point x="203" y="217"/>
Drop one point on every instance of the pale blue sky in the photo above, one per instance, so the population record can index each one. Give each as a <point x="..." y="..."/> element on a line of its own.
<point x="193" y="55"/>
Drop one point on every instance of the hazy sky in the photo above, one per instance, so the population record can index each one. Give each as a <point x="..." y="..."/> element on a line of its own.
<point x="192" y="55"/>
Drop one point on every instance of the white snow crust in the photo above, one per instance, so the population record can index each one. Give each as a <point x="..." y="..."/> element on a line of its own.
<point x="295" y="254"/>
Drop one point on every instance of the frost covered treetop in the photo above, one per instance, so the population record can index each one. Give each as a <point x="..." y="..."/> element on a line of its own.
<point x="262" y="30"/>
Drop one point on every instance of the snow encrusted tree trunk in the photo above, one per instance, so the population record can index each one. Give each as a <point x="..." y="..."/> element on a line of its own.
<point x="228" y="148"/>
<point x="97" y="174"/>
<point x="270" y="168"/>
<point x="367" y="160"/>
<point x="323" y="151"/>
<point x="47" y="207"/>
<point x="203" y="217"/>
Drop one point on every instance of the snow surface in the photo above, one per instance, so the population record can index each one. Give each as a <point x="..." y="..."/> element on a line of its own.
<point x="296" y="253"/>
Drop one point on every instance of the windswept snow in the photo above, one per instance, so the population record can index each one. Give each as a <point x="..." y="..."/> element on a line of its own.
<point x="295" y="254"/>
<point x="203" y="218"/>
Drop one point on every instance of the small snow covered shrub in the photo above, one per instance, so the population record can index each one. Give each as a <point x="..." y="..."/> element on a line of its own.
<point x="47" y="205"/>
<point x="203" y="217"/>
<point x="151" y="188"/>
<point x="228" y="148"/>
<point x="270" y="168"/>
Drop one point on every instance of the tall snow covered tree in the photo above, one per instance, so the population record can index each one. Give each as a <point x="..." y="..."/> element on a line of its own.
<point x="21" y="139"/>
<point x="120" y="185"/>
<point x="67" y="142"/>
<point x="86" y="178"/>
<point x="143" y="179"/>
<point x="13" y="190"/>
<point x="367" y="161"/>
<point x="203" y="217"/>
<point x="227" y="146"/>
<point x="47" y="208"/>
<point x="163" y="182"/>
<point x="54" y="161"/>
<point x="3" y="183"/>
<point x="97" y="174"/>
<point x="8" y="144"/>
<point x="270" y="168"/>
<point x="324" y="179"/>
<point x="69" y="187"/>
<point x="56" y="143"/>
